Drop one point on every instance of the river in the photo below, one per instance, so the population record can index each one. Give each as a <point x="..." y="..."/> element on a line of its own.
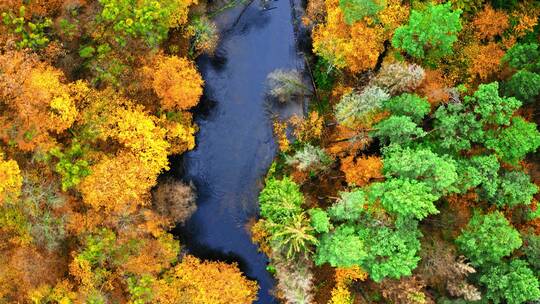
<point x="235" y="145"/>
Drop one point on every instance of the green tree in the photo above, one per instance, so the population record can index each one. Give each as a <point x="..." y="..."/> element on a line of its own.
<point x="356" y="109"/>
<point x="531" y="249"/>
<point x="513" y="143"/>
<point x="512" y="283"/>
<point x="437" y="172"/>
<point x="294" y="236"/>
<point x="523" y="56"/>
<point x="319" y="220"/>
<point x="400" y="130"/>
<point x="430" y="33"/>
<point x="523" y="85"/>
<point x="407" y="104"/>
<point x="490" y="107"/>
<point x="478" y="171"/>
<point x="405" y="198"/>
<point x="71" y="165"/>
<point x="391" y="252"/>
<point x="341" y="248"/>
<point x="280" y="199"/>
<point x="515" y="188"/>
<point x="455" y="129"/>
<point x="488" y="238"/>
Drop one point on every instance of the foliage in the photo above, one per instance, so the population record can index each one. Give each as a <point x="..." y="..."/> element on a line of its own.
<point x="405" y="198"/>
<point x="309" y="129"/>
<point x="410" y="105"/>
<point x="280" y="200"/>
<point x="523" y="85"/>
<point x="309" y="158"/>
<point x="286" y="84"/>
<point x="430" y="34"/>
<point x="10" y="180"/>
<point x="398" y="130"/>
<point x="390" y="252"/>
<point x="198" y="282"/>
<point x="355" y="109"/>
<point x="71" y="165"/>
<point x="488" y="238"/>
<point x="436" y="171"/>
<point x="319" y="220"/>
<point x="514" y="188"/>
<point x="531" y="249"/>
<point x="323" y="74"/>
<point x="399" y="77"/>
<point x="149" y="20"/>
<point x="511" y="283"/>
<point x="349" y="207"/>
<point x="177" y="82"/>
<point x="523" y="56"/>
<point x="341" y="248"/>
<point x="293" y="237"/>
<point x="337" y="42"/>
<point x="514" y="142"/>
<point x="204" y="35"/>
<point x="490" y="107"/>
<point x="359" y="171"/>
<point x="490" y="23"/>
<point x="32" y="34"/>
<point x="356" y="10"/>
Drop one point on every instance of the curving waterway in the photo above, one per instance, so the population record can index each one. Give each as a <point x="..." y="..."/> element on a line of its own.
<point x="235" y="145"/>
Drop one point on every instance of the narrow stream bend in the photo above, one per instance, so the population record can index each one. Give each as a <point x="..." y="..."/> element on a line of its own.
<point x="235" y="145"/>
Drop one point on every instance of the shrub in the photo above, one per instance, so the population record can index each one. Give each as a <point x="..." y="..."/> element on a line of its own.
<point x="293" y="237"/>
<point x="349" y="207"/>
<point x="309" y="158"/>
<point x="410" y="105"/>
<point x="319" y="220"/>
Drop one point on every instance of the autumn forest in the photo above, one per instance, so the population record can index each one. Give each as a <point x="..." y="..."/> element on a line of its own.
<point x="269" y="151"/>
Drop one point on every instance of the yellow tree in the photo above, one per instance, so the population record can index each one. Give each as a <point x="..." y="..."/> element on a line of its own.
<point x="177" y="82"/>
<point x="196" y="282"/>
<point x="10" y="180"/>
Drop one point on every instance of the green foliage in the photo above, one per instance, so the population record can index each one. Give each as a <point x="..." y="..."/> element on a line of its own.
<point x="319" y="220"/>
<point x="531" y="249"/>
<point x="488" y="238"/>
<point x="512" y="283"/>
<point x="140" y="289"/>
<point x="515" y="188"/>
<point x="356" y="10"/>
<point x="349" y="207"/>
<point x="410" y="105"/>
<point x="437" y="172"/>
<point x="523" y="85"/>
<point x="280" y="200"/>
<point x="70" y="165"/>
<point x="490" y="107"/>
<point x="523" y="56"/>
<point x="293" y="237"/>
<point x="514" y="142"/>
<point x="456" y="129"/>
<point x="469" y="6"/>
<point x="399" y="130"/>
<point x="341" y="248"/>
<point x="405" y="198"/>
<point x="31" y="34"/>
<point x="478" y="171"/>
<point x="323" y="74"/>
<point x="504" y="4"/>
<point x="390" y="252"/>
<point x="145" y="19"/>
<point x="359" y="108"/>
<point x="430" y="34"/>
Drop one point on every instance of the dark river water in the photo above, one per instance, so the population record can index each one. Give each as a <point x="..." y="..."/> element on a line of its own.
<point x="235" y="145"/>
